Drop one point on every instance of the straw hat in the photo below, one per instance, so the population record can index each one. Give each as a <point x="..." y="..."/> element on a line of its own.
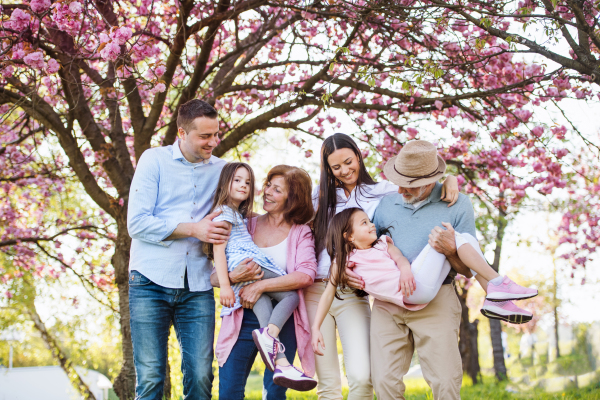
<point x="417" y="164"/>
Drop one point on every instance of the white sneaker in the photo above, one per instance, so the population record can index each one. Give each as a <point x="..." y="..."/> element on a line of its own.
<point x="268" y="347"/>
<point x="292" y="378"/>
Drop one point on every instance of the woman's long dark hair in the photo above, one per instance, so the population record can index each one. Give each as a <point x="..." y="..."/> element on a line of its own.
<point x="328" y="184"/>
<point x="222" y="196"/>
<point x="339" y="248"/>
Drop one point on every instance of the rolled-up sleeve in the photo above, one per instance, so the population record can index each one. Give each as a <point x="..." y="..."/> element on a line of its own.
<point x="306" y="251"/>
<point x="141" y="222"/>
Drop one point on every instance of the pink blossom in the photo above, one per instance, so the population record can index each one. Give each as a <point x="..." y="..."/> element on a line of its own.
<point x="439" y="105"/>
<point x="35" y="60"/>
<point x="103" y="37"/>
<point x="160" y="87"/>
<point x="111" y="51"/>
<point x="121" y="35"/>
<point x="75" y="7"/>
<point x="53" y="66"/>
<point x="39" y="5"/>
<point x="19" y="20"/>
<point x="160" y="70"/>
<point x="412" y="133"/>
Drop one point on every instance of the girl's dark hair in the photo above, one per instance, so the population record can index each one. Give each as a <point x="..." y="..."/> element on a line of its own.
<point x="222" y="196"/>
<point x="339" y="248"/>
<point x="328" y="185"/>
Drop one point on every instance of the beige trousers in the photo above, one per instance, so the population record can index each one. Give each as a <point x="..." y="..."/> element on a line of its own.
<point x="433" y="331"/>
<point x="352" y="315"/>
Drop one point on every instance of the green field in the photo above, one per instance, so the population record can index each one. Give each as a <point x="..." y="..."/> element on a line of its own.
<point x="417" y="389"/>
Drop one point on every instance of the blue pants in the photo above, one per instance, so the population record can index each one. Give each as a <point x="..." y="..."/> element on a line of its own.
<point x="152" y="310"/>
<point x="234" y="373"/>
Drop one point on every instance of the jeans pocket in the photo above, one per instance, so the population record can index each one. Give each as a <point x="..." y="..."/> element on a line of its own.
<point x="137" y="279"/>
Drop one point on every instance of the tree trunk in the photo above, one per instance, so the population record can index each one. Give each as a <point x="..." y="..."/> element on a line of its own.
<point x="57" y="353"/>
<point x="467" y="345"/>
<point x="555" y="307"/>
<point x="495" y="326"/>
<point x="124" y="384"/>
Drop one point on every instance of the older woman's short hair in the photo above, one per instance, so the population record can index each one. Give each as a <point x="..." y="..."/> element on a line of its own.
<point x="299" y="207"/>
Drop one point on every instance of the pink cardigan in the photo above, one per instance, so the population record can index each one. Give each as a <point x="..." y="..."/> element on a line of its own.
<point x="301" y="257"/>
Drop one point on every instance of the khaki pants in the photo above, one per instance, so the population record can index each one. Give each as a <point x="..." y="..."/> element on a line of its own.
<point x="433" y="331"/>
<point x="352" y="315"/>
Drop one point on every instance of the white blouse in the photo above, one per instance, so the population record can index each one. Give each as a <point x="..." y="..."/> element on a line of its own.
<point x="278" y="253"/>
<point x="367" y="198"/>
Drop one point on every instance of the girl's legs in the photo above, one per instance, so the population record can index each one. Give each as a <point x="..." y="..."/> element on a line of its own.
<point x="429" y="269"/>
<point x="473" y="257"/>
<point x="329" y="386"/>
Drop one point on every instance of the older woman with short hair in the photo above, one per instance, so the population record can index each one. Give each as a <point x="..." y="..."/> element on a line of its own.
<point x="281" y="233"/>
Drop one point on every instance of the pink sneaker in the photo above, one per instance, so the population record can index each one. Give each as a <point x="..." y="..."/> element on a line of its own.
<point x="508" y="290"/>
<point x="268" y="346"/>
<point x="506" y="311"/>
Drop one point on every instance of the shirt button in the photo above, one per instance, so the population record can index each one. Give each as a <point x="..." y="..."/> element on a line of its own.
<point x="191" y="217"/>
<point x="188" y="253"/>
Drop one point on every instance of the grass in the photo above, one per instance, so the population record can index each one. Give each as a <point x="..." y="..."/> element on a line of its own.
<point x="417" y="389"/>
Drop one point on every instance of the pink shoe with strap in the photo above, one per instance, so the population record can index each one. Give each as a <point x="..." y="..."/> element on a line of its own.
<point x="506" y="311"/>
<point x="509" y="290"/>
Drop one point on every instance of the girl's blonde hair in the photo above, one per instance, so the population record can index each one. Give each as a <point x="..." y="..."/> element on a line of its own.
<point x="222" y="196"/>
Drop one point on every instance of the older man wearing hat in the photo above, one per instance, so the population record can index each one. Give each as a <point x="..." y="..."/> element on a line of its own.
<point x="417" y="216"/>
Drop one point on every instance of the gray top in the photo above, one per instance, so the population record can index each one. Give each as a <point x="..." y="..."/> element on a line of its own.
<point x="410" y="227"/>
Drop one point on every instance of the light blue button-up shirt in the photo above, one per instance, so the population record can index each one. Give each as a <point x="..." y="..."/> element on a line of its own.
<point x="167" y="190"/>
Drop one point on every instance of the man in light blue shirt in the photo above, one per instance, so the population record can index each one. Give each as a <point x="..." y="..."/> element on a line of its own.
<point x="169" y="279"/>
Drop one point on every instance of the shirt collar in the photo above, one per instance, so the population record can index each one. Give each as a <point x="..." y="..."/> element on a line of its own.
<point x="434" y="197"/>
<point x="178" y="155"/>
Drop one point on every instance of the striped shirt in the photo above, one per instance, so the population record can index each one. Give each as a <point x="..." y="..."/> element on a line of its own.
<point x="167" y="190"/>
<point x="240" y="247"/>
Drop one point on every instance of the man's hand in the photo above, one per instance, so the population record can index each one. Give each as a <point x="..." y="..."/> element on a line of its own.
<point x="208" y="231"/>
<point x="442" y="240"/>
<point x="249" y="294"/>
<point x="354" y="280"/>
<point x="246" y="271"/>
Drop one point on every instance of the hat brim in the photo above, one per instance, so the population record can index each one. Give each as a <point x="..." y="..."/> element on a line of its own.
<point x="403" y="181"/>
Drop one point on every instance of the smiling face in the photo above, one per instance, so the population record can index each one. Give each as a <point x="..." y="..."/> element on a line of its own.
<point x="275" y="195"/>
<point x="345" y="166"/>
<point x="413" y="195"/>
<point x="240" y="186"/>
<point x="364" y="232"/>
<point x="200" y="139"/>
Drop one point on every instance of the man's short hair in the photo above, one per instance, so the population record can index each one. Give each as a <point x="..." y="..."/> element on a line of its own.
<point x="193" y="109"/>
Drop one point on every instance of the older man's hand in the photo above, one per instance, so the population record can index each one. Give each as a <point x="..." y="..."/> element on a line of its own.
<point x="442" y="240"/>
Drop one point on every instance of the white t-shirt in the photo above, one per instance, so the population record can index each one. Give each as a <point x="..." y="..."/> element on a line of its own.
<point x="418" y="203"/>
<point x="278" y="253"/>
<point x="367" y="198"/>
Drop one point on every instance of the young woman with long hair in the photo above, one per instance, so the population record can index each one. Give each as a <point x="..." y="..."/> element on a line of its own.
<point x="345" y="183"/>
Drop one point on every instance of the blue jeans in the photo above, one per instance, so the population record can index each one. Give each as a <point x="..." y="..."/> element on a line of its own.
<point x="234" y="373"/>
<point x="152" y="310"/>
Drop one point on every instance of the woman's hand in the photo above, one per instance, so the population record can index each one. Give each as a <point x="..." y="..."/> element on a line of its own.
<point x="227" y="297"/>
<point x="317" y="338"/>
<point x="450" y="190"/>
<point x="250" y="294"/>
<point x="354" y="280"/>
<point x="407" y="283"/>
<point x="246" y="271"/>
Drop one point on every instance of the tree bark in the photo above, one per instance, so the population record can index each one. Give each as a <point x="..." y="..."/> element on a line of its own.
<point x="495" y="326"/>
<point x="555" y="307"/>
<point x="124" y="384"/>
<point x="57" y="353"/>
<point x="467" y="345"/>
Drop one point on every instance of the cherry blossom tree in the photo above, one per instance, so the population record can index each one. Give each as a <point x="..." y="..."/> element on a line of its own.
<point x="87" y="86"/>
